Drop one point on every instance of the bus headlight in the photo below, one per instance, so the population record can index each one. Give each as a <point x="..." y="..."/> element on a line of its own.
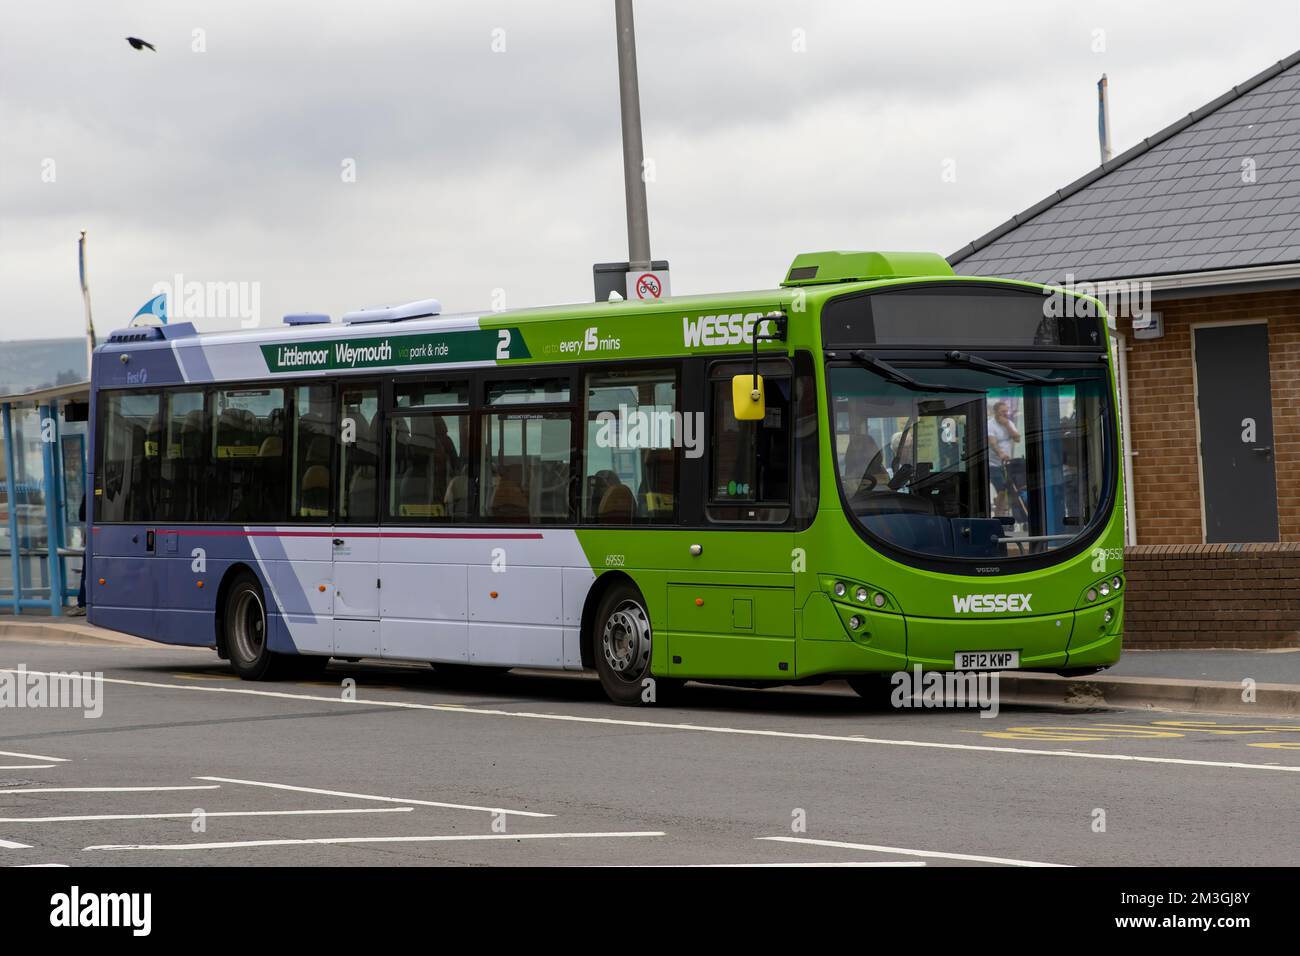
<point x="1092" y="594"/>
<point x="1109" y="615"/>
<point x="855" y="622"/>
<point x="1105" y="590"/>
<point x="859" y="595"/>
<point x="1116" y="581"/>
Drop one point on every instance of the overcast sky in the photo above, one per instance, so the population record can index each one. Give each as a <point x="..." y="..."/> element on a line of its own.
<point x="772" y="128"/>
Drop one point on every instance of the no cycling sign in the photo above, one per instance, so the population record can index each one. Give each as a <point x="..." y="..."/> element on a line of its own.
<point x="649" y="285"/>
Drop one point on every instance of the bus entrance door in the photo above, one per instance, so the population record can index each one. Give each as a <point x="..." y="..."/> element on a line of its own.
<point x="356" y="595"/>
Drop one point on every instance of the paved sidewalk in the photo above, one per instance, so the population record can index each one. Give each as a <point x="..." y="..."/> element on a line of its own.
<point x="1273" y="666"/>
<point x="71" y="629"/>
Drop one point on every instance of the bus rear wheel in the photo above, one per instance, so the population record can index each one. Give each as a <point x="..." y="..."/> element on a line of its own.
<point x="622" y="646"/>
<point x="246" y="632"/>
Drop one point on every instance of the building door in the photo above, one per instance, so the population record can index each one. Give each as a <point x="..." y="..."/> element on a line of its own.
<point x="1236" y="418"/>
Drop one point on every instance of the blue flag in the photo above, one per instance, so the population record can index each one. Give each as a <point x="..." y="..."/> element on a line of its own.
<point x="157" y="307"/>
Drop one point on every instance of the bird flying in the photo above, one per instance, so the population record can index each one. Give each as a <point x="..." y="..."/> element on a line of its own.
<point x="138" y="44"/>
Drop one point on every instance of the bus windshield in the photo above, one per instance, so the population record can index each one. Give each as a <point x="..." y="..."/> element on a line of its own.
<point x="1010" y="469"/>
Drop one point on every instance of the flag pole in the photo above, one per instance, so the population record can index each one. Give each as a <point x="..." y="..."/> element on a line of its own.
<point x="85" y="295"/>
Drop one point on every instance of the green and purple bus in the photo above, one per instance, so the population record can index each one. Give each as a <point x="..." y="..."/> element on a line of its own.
<point x="876" y="466"/>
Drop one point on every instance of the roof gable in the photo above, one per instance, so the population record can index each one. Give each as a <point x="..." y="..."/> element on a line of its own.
<point x="1177" y="202"/>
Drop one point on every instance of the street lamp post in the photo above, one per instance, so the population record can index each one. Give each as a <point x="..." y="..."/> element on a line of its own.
<point x="629" y="94"/>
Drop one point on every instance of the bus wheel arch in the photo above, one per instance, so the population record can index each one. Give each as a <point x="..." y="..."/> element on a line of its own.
<point x="233" y="573"/>
<point x="594" y="596"/>
<point x="620" y="641"/>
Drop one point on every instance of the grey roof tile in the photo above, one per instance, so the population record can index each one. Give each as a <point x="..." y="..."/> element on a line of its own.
<point x="1177" y="202"/>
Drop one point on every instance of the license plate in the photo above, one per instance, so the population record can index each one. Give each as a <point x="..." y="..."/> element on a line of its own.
<point x="986" y="660"/>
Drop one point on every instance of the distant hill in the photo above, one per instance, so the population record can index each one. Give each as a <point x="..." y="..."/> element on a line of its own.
<point x="40" y="363"/>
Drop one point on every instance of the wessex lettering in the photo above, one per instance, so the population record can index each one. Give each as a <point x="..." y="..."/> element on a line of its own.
<point x="988" y="603"/>
<point x="722" y="329"/>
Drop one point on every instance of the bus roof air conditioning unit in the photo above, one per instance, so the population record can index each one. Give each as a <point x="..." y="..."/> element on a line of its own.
<point x="421" y="309"/>
<point x="821" y="268"/>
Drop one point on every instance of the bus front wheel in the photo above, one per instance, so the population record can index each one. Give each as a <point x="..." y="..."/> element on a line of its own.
<point x="622" y="648"/>
<point x="245" y="625"/>
<point x="876" y="690"/>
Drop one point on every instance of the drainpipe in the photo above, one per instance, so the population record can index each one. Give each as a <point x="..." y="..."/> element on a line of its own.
<point x="1126" y="436"/>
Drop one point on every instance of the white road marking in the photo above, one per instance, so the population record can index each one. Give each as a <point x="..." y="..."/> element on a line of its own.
<point x="12" y="753"/>
<point x="11" y="845"/>
<point x="209" y="813"/>
<point x="28" y="766"/>
<point x="383" y="839"/>
<point x="906" y="852"/>
<point x="705" y="728"/>
<point x="838" y="863"/>
<point x="370" y="796"/>
<point x="107" y="789"/>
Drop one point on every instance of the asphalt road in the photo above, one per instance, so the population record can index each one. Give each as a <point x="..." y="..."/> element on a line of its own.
<point x="189" y="766"/>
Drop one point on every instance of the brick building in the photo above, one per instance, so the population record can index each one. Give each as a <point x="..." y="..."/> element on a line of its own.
<point x="1200" y="226"/>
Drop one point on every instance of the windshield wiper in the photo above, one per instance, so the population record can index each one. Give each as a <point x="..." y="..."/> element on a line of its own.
<point x="899" y="377"/>
<point x="1015" y="374"/>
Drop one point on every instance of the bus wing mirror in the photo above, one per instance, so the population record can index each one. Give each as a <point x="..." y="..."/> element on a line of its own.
<point x="747" y="398"/>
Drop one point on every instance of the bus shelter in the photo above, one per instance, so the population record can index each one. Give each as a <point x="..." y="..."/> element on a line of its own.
<point x="43" y="458"/>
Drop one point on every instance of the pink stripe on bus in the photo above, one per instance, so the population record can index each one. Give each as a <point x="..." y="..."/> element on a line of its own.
<point x="461" y="535"/>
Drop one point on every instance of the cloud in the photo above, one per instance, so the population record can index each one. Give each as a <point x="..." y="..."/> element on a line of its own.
<point x="479" y="170"/>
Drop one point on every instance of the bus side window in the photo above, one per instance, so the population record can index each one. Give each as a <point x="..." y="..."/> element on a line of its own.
<point x="358" y="478"/>
<point x="312" y="446"/>
<point x="750" y="471"/>
<point x="428" y="467"/>
<point x="181" y="457"/>
<point x="525" y="466"/>
<point x="246" y="470"/>
<point x="629" y="460"/>
<point x="128" y="463"/>
<point x="807" y="421"/>
<point x="527" y="451"/>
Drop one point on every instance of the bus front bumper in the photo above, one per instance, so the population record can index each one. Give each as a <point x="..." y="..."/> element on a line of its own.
<point x="1088" y="637"/>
